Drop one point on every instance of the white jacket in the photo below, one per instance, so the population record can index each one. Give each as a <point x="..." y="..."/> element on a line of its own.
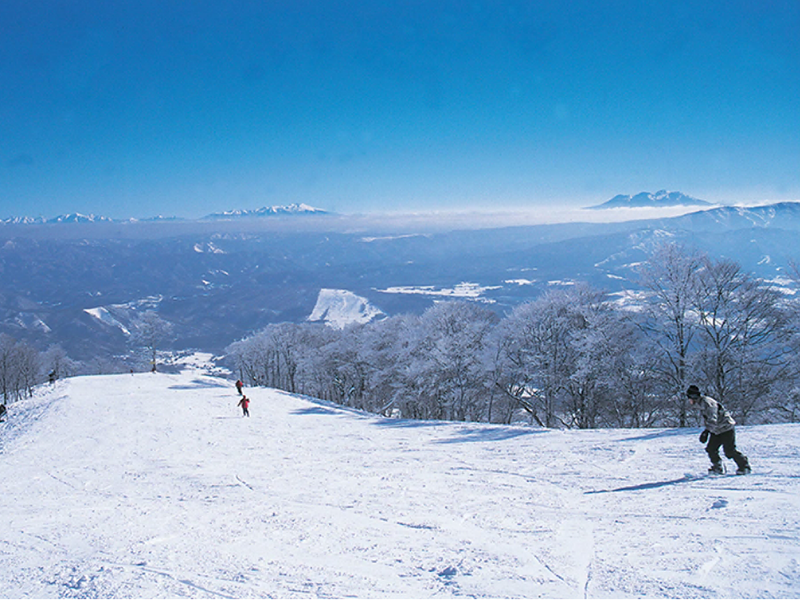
<point x="716" y="418"/>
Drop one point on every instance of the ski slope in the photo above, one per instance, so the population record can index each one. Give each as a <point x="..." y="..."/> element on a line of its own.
<point x="155" y="486"/>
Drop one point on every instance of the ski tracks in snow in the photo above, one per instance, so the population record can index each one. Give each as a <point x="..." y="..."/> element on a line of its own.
<point x="155" y="485"/>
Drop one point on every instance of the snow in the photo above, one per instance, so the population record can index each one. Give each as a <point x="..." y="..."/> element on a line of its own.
<point x="155" y="486"/>
<point x="462" y="290"/>
<point x="561" y="282"/>
<point x="520" y="282"/>
<point x="389" y="238"/>
<point x="340" y="308"/>
<point x="103" y="315"/>
<point x="208" y="247"/>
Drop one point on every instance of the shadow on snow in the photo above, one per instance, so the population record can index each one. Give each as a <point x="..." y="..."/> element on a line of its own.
<point x="198" y="384"/>
<point x="480" y="434"/>
<point x="662" y="433"/>
<point x="645" y="486"/>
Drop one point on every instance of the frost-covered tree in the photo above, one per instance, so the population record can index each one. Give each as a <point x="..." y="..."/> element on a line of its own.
<point x="275" y="356"/>
<point x="565" y="359"/>
<point x="335" y="367"/>
<point x="19" y="368"/>
<point x="534" y="342"/>
<point x="387" y="349"/>
<point x="670" y="280"/>
<point x="28" y="365"/>
<point x="633" y="376"/>
<point x="151" y="332"/>
<point x="449" y="365"/>
<point x="56" y="361"/>
<point x="747" y="344"/>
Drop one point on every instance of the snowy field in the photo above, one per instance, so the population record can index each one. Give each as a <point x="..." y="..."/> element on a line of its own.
<point x="154" y="486"/>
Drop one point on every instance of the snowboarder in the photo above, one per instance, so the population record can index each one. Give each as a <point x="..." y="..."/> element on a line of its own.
<point x="719" y="431"/>
<point x="245" y="404"/>
<point x="239" y="386"/>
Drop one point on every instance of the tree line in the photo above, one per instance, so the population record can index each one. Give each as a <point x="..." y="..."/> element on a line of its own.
<point x="22" y="367"/>
<point x="576" y="357"/>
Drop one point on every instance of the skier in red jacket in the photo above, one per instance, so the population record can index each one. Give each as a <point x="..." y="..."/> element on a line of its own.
<point x="245" y="404"/>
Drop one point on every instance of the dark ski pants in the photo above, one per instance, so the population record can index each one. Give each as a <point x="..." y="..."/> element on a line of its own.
<point x="728" y="442"/>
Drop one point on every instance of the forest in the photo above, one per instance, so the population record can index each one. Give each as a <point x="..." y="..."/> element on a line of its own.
<point x="575" y="357"/>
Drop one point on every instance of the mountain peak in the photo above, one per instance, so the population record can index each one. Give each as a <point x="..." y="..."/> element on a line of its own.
<point x="659" y="199"/>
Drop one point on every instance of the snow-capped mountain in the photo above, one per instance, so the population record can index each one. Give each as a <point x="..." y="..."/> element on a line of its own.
<point x="66" y="218"/>
<point x="79" y="218"/>
<point x="22" y="220"/>
<point x="268" y="211"/>
<point x="660" y="199"/>
<point x="156" y="486"/>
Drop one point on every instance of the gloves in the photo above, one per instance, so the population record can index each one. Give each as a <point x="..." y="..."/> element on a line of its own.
<point x="704" y="436"/>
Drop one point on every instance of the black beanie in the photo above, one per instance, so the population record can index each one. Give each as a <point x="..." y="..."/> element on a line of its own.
<point x="693" y="391"/>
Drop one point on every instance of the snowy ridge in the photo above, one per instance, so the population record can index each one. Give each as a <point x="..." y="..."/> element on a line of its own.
<point x="103" y="315"/>
<point x="117" y="315"/>
<point x="149" y="485"/>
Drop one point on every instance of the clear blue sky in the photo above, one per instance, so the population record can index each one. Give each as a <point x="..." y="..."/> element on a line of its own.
<point x="178" y="107"/>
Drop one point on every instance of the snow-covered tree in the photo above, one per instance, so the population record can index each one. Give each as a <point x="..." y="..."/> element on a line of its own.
<point x="747" y="344"/>
<point x="19" y="368"/>
<point x="670" y="279"/>
<point x="386" y="348"/>
<point x="56" y="361"/>
<point x="449" y="366"/>
<point x="151" y="332"/>
<point x="537" y="355"/>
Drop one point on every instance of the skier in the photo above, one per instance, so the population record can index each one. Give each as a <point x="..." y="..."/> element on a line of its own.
<point x="245" y="404"/>
<point x="719" y="431"/>
<point x="239" y="386"/>
<point x="2" y="412"/>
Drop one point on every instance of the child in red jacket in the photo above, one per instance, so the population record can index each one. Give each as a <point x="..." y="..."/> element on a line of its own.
<point x="245" y="404"/>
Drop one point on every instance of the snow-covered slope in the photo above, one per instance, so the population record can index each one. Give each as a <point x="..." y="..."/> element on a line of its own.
<point x="340" y="308"/>
<point x="155" y="486"/>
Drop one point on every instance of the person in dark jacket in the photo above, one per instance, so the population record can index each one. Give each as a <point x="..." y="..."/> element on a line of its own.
<point x="239" y="386"/>
<point x="2" y="412"/>
<point x="245" y="404"/>
<point x="719" y="431"/>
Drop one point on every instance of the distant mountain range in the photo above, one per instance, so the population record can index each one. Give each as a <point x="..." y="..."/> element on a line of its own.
<point x="219" y="280"/>
<point x="267" y="211"/>
<point x="68" y="218"/>
<point x="660" y="199"/>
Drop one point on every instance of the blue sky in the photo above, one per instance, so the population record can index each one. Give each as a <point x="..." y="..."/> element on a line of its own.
<point x="145" y="107"/>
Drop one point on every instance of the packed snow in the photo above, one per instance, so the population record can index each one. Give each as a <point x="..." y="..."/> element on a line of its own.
<point x="155" y="485"/>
